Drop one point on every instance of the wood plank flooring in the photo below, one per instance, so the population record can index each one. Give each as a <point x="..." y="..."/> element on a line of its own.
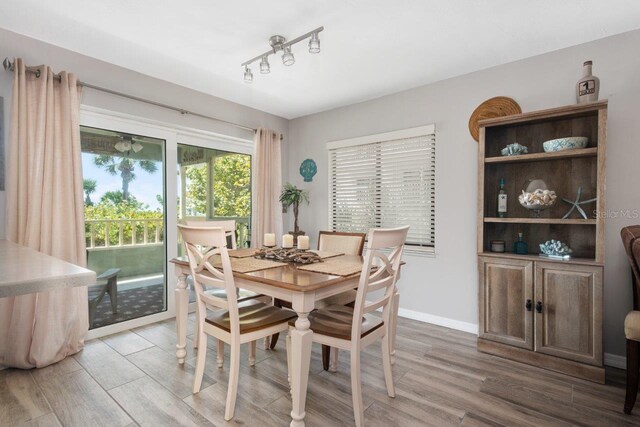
<point x="132" y="378"/>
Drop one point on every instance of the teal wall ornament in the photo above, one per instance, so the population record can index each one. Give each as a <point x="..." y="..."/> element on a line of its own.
<point x="308" y="169"/>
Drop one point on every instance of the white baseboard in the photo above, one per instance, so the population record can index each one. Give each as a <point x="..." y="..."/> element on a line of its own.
<point x="610" y="359"/>
<point x="438" y="320"/>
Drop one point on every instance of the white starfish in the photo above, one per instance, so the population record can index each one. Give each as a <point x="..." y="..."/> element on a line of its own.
<point x="575" y="205"/>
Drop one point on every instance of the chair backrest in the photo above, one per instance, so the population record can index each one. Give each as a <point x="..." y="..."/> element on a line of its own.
<point x="209" y="263"/>
<point x="229" y="227"/>
<point x="379" y="273"/>
<point x="629" y="236"/>
<point x="346" y="243"/>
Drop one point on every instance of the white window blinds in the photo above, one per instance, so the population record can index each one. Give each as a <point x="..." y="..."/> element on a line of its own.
<point x="384" y="181"/>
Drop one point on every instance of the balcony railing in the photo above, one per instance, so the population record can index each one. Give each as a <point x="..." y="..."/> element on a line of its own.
<point x="107" y="233"/>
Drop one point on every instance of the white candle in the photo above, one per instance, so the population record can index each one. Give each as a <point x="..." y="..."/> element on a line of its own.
<point x="303" y="242"/>
<point x="269" y="239"/>
<point x="287" y="241"/>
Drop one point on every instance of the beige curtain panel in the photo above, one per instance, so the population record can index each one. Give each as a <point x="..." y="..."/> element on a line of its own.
<point x="44" y="211"/>
<point x="267" y="179"/>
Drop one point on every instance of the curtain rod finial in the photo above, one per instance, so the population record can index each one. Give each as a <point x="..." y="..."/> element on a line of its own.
<point x="7" y="64"/>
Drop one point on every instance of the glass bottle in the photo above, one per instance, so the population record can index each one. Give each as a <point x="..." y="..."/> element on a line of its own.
<point x="502" y="200"/>
<point x="520" y="247"/>
<point x="588" y="87"/>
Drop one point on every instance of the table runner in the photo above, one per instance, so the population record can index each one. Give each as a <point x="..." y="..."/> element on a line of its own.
<point x="242" y="253"/>
<point x="326" y="254"/>
<point x="335" y="267"/>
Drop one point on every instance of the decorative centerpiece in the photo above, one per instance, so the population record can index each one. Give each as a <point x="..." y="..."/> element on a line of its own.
<point x="537" y="197"/>
<point x="288" y="255"/>
<point x="562" y="144"/>
<point x="555" y="249"/>
<point x="514" y="149"/>
<point x="293" y="196"/>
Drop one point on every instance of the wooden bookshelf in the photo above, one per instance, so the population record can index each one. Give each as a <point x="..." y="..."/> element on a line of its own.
<point x="532" y="308"/>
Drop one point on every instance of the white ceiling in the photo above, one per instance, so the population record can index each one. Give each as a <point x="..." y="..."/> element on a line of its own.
<point x="369" y="47"/>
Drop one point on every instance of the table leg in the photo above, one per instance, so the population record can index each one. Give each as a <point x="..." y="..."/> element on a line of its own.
<point x="301" y="340"/>
<point x="182" y="310"/>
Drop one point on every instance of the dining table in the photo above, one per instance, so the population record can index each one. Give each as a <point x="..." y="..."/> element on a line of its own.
<point x="289" y="282"/>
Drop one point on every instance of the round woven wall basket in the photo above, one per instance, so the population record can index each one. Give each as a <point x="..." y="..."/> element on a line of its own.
<point x="495" y="107"/>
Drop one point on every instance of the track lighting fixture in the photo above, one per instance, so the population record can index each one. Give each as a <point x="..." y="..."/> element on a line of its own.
<point x="287" y="57"/>
<point x="314" y="43"/>
<point x="264" y="65"/>
<point x="248" y="75"/>
<point x="279" y="43"/>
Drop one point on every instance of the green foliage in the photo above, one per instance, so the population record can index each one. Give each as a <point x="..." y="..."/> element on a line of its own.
<point x="89" y="186"/>
<point x="292" y="195"/>
<point x="231" y="187"/>
<point x="126" y="166"/>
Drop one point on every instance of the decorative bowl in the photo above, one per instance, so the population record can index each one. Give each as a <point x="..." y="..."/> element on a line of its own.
<point x="514" y="149"/>
<point x="561" y="144"/>
<point x="537" y="197"/>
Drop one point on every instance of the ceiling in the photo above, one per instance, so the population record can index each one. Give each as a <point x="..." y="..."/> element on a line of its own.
<point x="370" y="48"/>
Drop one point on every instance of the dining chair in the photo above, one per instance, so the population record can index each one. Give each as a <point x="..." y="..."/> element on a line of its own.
<point x="631" y="241"/>
<point x="354" y="328"/>
<point x="229" y="227"/>
<point x="233" y="323"/>
<point x="338" y="242"/>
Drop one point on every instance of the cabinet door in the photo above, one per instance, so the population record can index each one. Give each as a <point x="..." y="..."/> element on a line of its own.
<point x="505" y="289"/>
<point x="568" y="319"/>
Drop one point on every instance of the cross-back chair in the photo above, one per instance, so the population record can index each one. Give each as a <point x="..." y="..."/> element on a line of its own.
<point x="229" y="227"/>
<point x="338" y="242"/>
<point x="233" y="323"/>
<point x="354" y="328"/>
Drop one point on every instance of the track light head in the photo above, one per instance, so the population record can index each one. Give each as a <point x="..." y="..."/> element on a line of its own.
<point x="314" y="43"/>
<point x="264" y="65"/>
<point x="248" y="75"/>
<point x="287" y="57"/>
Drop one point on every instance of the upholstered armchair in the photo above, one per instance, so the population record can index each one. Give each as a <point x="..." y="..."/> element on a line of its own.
<point x="631" y="240"/>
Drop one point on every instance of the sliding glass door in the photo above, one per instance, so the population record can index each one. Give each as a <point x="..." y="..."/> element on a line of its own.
<point x="124" y="207"/>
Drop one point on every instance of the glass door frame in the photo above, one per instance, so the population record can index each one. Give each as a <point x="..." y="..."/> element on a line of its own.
<point x="172" y="135"/>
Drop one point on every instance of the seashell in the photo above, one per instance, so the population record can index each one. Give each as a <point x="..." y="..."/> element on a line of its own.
<point x="514" y="149"/>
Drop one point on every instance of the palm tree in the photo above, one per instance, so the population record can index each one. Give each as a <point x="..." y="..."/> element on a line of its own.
<point x="89" y="186"/>
<point x="126" y="167"/>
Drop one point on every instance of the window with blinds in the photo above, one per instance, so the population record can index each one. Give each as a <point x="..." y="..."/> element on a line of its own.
<point x="384" y="181"/>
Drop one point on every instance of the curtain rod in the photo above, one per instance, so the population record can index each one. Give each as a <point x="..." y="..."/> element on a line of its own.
<point x="10" y="66"/>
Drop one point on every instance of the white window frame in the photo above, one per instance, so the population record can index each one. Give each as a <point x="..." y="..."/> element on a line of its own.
<point x="172" y="135"/>
<point x="377" y="138"/>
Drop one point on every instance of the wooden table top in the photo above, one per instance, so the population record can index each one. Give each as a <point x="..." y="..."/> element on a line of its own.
<point x="289" y="276"/>
<point x="26" y="271"/>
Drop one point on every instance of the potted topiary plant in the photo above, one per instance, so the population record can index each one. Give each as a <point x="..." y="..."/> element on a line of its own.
<point x="293" y="196"/>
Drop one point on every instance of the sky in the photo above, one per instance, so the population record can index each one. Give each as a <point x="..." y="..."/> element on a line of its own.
<point x="145" y="187"/>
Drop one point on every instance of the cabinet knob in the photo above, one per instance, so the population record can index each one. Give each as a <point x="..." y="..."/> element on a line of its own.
<point x="539" y="306"/>
<point x="528" y="305"/>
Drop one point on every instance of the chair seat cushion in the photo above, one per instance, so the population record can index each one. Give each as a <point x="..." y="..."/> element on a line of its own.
<point x="253" y="315"/>
<point x="243" y="294"/>
<point x="335" y="321"/>
<point x="340" y="299"/>
<point x="632" y="326"/>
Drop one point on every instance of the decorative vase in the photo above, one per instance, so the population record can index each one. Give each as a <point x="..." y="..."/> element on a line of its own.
<point x="588" y="87"/>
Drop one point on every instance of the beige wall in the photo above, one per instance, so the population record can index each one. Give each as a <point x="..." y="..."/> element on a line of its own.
<point x="444" y="288"/>
<point x="120" y="79"/>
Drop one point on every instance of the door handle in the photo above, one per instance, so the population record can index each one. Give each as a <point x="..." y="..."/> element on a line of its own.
<point x="528" y="305"/>
<point x="539" y="306"/>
